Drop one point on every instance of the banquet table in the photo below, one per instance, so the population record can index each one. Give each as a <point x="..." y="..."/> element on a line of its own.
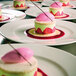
<point x="70" y="48"/>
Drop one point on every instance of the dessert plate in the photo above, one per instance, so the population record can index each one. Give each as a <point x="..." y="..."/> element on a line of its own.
<point x="53" y="62"/>
<point x="9" y="15"/>
<point x="49" y="2"/>
<point x="34" y="11"/>
<point x="7" y="18"/>
<point x="17" y="14"/>
<point x="16" y="31"/>
<point x="28" y="4"/>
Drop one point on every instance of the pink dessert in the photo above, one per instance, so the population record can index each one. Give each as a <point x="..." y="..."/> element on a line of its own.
<point x="45" y="27"/>
<point x="44" y="24"/>
<point x="56" y="5"/>
<point x="13" y="57"/>
<point x="56" y="9"/>
<point x="43" y="18"/>
<point x="20" y="62"/>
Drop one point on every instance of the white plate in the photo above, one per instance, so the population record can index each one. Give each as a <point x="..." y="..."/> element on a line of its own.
<point x="15" y="31"/>
<point x="49" y="2"/>
<point x="34" y="11"/>
<point x="17" y="14"/>
<point x="52" y="61"/>
<point x="12" y="14"/>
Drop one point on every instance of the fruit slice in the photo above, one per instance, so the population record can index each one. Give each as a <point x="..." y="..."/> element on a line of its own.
<point x="39" y="31"/>
<point x="59" y="14"/>
<point x="46" y="31"/>
<point x="17" y="5"/>
<point x="35" y="73"/>
<point x="21" y="5"/>
<point x="0" y="16"/>
<point x="52" y="12"/>
<point x="66" y="4"/>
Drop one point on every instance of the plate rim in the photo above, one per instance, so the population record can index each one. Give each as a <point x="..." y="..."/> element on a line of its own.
<point x="15" y="17"/>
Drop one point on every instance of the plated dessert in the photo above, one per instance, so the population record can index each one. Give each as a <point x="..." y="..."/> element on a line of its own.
<point x="57" y="10"/>
<point x="20" y="62"/>
<point x="19" y="4"/>
<point x="44" y="25"/>
<point x="66" y="3"/>
<point x="3" y="17"/>
<point x="45" y="28"/>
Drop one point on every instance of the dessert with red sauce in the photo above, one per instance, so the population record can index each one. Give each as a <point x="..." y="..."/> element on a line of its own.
<point x="56" y="9"/>
<point x="44" y="27"/>
<point x="3" y="17"/>
<point x="19" y="4"/>
<point x="20" y="62"/>
<point x="65" y="2"/>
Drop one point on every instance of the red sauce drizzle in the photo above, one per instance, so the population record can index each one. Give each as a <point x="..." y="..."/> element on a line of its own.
<point x="50" y="37"/>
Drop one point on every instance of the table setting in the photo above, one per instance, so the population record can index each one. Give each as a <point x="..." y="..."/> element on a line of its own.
<point x="41" y="36"/>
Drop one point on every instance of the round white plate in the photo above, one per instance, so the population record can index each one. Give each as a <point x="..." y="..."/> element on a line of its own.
<point x="17" y="14"/>
<point x="34" y="11"/>
<point x="12" y="14"/>
<point x="53" y="62"/>
<point x="15" y="31"/>
<point x="49" y="2"/>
